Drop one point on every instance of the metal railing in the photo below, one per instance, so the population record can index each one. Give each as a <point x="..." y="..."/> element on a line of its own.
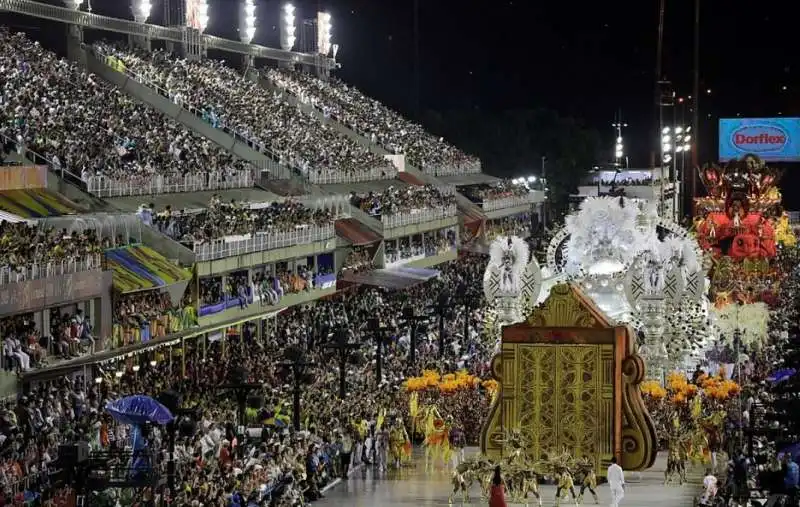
<point x="39" y="159"/>
<point x="38" y="270"/>
<point x="260" y="242"/>
<point x="103" y="186"/>
<point x="455" y="169"/>
<point x="359" y="176"/>
<point x="109" y="24"/>
<point x="417" y="216"/>
<point x="508" y="202"/>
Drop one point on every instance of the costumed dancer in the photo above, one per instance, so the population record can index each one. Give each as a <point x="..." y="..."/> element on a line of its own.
<point x="457" y="441"/>
<point x="361" y="435"/>
<point x="588" y="479"/>
<point x="381" y="441"/>
<point x="399" y="443"/>
<point x="565" y="484"/>
<point x="436" y="442"/>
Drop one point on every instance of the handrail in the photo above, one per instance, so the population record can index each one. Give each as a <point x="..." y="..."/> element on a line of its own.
<point x="103" y="186"/>
<point x="233" y="246"/>
<point x="39" y="270"/>
<point x="508" y="202"/>
<point x="417" y="216"/>
<point x="89" y="20"/>
<point x="363" y="175"/>
<point x="454" y="170"/>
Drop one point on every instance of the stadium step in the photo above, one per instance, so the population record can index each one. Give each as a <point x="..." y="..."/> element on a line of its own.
<point x="270" y="169"/>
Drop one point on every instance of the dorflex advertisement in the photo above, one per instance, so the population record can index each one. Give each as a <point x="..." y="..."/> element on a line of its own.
<point x="772" y="139"/>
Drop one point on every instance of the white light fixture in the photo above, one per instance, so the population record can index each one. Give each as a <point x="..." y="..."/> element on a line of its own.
<point x="136" y="368"/>
<point x="687" y="147"/>
<point x="202" y="15"/>
<point x="665" y="139"/>
<point x="678" y="130"/>
<point x="619" y="139"/>
<point x="667" y="147"/>
<point x="687" y="138"/>
<point x="287" y="27"/>
<point x="153" y="363"/>
<point x="665" y="130"/>
<point x="324" y="29"/>
<point x="667" y="158"/>
<point x="678" y="149"/>
<point x="248" y="28"/>
<point x="532" y="179"/>
<point x="98" y="380"/>
<point x="141" y="10"/>
<point x="118" y="374"/>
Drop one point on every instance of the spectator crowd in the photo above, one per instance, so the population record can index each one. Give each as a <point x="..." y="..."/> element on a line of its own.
<point x="94" y="130"/>
<point x="51" y="250"/>
<point x="403" y="199"/>
<point x="222" y="220"/>
<point x="264" y="118"/>
<point x="272" y="464"/>
<point x="500" y="190"/>
<point x="378" y="123"/>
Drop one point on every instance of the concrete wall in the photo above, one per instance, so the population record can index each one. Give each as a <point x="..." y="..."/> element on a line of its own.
<point x="221" y="266"/>
<point x="410" y="230"/>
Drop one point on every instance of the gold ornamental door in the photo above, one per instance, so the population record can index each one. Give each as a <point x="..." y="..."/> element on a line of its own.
<point x="566" y="398"/>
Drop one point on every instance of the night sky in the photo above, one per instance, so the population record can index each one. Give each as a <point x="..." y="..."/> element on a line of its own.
<point x="583" y="59"/>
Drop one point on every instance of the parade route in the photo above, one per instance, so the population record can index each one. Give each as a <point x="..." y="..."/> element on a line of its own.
<point x="414" y="487"/>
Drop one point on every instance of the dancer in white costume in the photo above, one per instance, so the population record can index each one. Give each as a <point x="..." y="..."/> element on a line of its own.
<point x="616" y="482"/>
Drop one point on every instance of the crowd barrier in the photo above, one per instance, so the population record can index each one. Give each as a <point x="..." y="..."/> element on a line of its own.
<point x="237" y="245"/>
<point x="175" y="321"/>
<point x="358" y="176"/>
<point x="507" y="202"/>
<point x="41" y="270"/>
<point x="417" y="216"/>
<point x="103" y="186"/>
<point x="455" y="169"/>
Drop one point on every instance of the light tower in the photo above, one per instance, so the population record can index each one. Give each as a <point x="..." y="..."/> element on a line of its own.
<point x="141" y="12"/>
<point x="619" y="147"/>
<point x="197" y="18"/>
<point x="324" y="46"/>
<point x="288" y="27"/>
<point x="247" y="29"/>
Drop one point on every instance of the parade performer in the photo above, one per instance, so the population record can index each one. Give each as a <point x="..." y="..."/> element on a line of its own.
<point x="437" y="444"/>
<point x="588" y="479"/>
<point x="381" y="441"/>
<point x="399" y="443"/>
<point x="565" y="484"/>
<point x="458" y="441"/>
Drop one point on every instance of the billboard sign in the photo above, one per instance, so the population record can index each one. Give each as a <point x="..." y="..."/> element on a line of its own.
<point x="772" y="139"/>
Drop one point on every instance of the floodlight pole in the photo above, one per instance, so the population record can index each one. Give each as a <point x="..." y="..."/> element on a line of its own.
<point x="441" y="307"/>
<point x="342" y="346"/>
<point x="241" y="390"/>
<point x="414" y="319"/>
<point x="378" y="331"/>
<point x="298" y="366"/>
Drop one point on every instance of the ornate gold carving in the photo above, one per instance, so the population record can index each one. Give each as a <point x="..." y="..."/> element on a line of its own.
<point x="565" y="392"/>
<point x="562" y="308"/>
<point x="638" y="431"/>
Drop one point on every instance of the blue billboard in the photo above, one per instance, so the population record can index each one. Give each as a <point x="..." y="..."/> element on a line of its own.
<point x="772" y="139"/>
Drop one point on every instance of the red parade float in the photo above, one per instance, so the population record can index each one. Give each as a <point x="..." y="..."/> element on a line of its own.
<point x="736" y="225"/>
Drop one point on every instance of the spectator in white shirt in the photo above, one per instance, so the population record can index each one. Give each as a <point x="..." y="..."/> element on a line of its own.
<point x="15" y="349"/>
<point x="616" y="481"/>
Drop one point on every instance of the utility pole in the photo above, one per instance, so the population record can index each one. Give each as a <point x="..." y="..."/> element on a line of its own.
<point x="442" y="306"/>
<point x="343" y="347"/>
<point x="657" y="91"/>
<point x="696" y="108"/>
<point x="378" y="335"/>
<point x="417" y="63"/>
<point x="414" y="320"/>
<point x="296" y="362"/>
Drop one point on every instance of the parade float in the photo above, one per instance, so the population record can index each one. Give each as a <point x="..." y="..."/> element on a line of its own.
<point x="741" y="228"/>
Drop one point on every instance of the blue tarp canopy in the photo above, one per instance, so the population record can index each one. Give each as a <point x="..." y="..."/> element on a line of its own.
<point x="139" y="409"/>
<point x="395" y="278"/>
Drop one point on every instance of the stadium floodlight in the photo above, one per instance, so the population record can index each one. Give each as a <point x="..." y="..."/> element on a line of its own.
<point x="532" y="179"/>
<point x="324" y="29"/>
<point x="687" y="147"/>
<point x="666" y="139"/>
<point x="202" y="15"/>
<point x="678" y="149"/>
<point x="687" y="138"/>
<point x="248" y="27"/>
<point x="141" y="10"/>
<point x="665" y="130"/>
<point x="288" y="29"/>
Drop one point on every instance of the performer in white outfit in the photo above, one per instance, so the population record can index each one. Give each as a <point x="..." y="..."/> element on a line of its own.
<point x="616" y="482"/>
